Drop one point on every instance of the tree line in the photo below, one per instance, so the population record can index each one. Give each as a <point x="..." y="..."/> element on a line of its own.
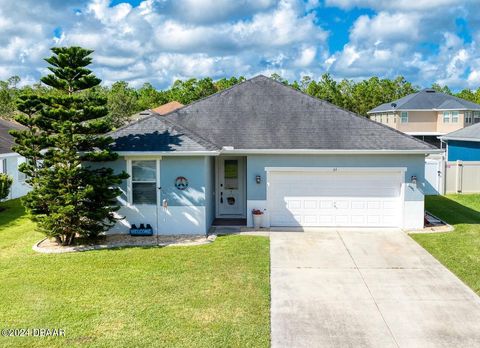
<point x="124" y="100"/>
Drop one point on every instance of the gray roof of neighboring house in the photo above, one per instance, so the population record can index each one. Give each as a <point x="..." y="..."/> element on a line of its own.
<point x="261" y="113"/>
<point x="427" y="99"/>
<point x="6" y="140"/>
<point x="470" y="133"/>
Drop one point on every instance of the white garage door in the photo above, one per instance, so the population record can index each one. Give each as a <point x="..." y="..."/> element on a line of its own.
<point x="341" y="198"/>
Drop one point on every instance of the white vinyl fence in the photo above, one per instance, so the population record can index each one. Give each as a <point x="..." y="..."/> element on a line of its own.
<point x="462" y="177"/>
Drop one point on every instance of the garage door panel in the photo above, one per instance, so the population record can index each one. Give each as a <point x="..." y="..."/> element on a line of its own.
<point x="311" y="204"/>
<point x="326" y="199"/>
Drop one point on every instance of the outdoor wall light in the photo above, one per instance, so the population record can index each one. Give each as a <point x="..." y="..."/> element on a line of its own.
<point x="414" y="180"/>
<point x="258" y="179"/>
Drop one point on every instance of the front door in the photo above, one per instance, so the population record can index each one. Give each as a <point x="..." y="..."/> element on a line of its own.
<point x="231" y="187"/>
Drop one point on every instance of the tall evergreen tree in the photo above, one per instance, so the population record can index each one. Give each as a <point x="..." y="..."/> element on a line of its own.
<point x="64" y="146"/>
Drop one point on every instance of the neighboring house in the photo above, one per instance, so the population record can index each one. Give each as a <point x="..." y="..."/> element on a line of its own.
<point x="263" y="145"/>
<point x="9" y="160"/>
<point x="427" y="114"/>
<point x="160" y="110"/>
<point x="463" y="160"/>
<point x="168" y="107"/>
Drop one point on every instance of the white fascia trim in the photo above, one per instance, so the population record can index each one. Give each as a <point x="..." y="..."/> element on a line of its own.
<point x="426" y="110"/>
<point x="425" y="133"/>
<point x="459" y="139"/>
<point x="10" y="154"/>
<point x="327" y="152"/>
<point x="336" y="169"/>
<point x="167" y="153"/>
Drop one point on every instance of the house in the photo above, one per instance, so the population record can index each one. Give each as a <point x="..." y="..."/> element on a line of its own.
<point x="263" y="145"/>
<point x="427" y="114"/>
<point x="463" y="160"/>
<point x="160" y="110"/>
<point x="9" y="160"/>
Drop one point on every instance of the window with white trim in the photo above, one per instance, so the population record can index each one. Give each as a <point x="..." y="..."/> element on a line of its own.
<point x="454" y="116"/>
<point x="144" y="182"/>
<point x="468" y="116"/>
<point x="404" y="117"/>
<point x="446" y="117"/>
<point x="476" y="118"/>
<point x="3" y="166"/>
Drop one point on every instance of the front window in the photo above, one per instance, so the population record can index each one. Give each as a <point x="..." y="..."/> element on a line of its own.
<point x="476" y="117"/>
<point x="231" y="174"/>
<point x="454" y="116"/>
<point x="468" y="117"/>
<point x="446" y="117"/>
<point x="404" y="117"/>
<point x="144" y="182"/>
<point x="3" y="166"/>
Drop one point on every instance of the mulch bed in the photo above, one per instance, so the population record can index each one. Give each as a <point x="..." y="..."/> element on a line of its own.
<point x="50" y="246"/>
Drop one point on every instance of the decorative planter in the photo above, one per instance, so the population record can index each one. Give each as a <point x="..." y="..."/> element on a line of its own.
<point x="257" y="218"/>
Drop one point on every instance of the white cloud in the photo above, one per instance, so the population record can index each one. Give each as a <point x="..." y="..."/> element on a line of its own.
<point x="161" y="40"/>
<point x="415" y="39"/>
<point x="402" y="5"/>
<point x="282" y="36"/>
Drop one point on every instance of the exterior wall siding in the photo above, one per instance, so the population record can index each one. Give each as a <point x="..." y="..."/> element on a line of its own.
<point x="415" y="164"/>
<point x="192" y="211"/>
<point x="445" y="128"/>
<point x="187" y="212"/>
<point x="419" y="121"/>
<point x="256" y="166"/>
<point x="463" y="150"/>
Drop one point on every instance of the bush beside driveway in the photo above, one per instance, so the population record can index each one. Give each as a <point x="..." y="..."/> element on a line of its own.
<point x="458" y="250"/>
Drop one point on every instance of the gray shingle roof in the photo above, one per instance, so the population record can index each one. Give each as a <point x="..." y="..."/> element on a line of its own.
<point x="6" y="140"/>
<point x="261" y="113"/>
<point x="427" y="99"/>
<point x="155" y="133"/>
<point x="468" y="133"/>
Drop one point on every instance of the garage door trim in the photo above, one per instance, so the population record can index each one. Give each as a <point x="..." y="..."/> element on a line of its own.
<point x="336" y="169"/>
<point x="400" y="170"/>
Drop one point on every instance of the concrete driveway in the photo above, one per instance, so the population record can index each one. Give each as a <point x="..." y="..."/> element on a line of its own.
<point x="366" y="289"/>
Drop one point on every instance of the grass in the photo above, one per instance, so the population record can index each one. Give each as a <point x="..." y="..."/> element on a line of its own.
<point x="213" y="295"/>
<point x="458" y="250"/>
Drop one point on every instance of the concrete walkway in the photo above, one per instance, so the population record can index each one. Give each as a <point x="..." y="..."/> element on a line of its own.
<point x="366" y="289"/>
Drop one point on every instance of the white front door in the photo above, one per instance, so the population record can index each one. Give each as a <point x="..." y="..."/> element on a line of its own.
<point x="230" y="187"/>
<point x="356" y="199"/>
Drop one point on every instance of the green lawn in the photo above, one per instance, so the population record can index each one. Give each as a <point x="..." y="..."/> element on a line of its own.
<point x="214" y="295"/>
<point x="458" y="250"/>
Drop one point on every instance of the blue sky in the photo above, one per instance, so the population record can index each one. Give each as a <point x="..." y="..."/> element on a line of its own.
<point x="158" y="41"/>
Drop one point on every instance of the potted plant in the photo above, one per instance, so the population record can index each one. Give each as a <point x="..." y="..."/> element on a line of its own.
<point x="257" y="218"/>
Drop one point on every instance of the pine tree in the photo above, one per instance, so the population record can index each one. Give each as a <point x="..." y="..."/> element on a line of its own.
<point x="64" y="146"/>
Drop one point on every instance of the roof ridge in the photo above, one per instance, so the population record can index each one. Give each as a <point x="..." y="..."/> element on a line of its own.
<point x="214" y="94"/>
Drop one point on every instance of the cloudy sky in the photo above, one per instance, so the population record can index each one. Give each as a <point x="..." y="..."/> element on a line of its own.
<point x="159" y="41"/>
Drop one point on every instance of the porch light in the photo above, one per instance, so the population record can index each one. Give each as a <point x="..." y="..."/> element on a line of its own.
<point x="258" y="179"/>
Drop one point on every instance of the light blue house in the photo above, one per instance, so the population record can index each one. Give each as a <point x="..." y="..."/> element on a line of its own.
<point x="262" y="145"/>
